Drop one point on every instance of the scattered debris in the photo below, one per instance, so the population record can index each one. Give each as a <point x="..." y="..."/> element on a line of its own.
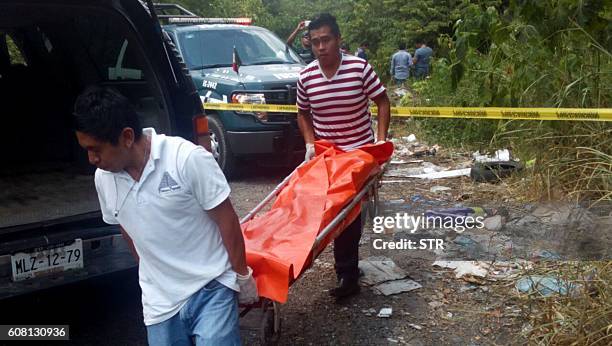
<point x="380" y="269"/>
<point x="410" y="138"/>
<point x="462" y="268"/>
<point x="401" y="162"/>
<point x="500" y="155"/>
<point x="393" y="181"/>
<point x="439" y="188"/>
<point x="493" y="223"/>
<point x="425" y="151"/>
<point x="385" y="312"/>
<point x="493" y="171"/>
<point x="547" y="255"/>
<point x="415" y="326"/>
<point x="400" y="92"/>
<point x="546" y="285"/>
<point x="444" y="174"/>
<point x="425" y="168"/>
<point x="435" y="304"/>
<point x="395" y="287"/>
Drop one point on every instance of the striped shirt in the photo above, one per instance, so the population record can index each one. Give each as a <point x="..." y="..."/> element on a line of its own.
<point x="339" y="106"/>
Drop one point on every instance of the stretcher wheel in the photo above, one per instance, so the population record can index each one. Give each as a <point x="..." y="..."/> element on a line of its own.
<point x="271" y="324"/>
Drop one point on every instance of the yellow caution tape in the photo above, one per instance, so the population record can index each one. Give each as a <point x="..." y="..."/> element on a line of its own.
<point x="576" y="114"/>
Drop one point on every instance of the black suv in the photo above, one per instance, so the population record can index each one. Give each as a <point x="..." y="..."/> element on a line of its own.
<point x="51" y="231"/>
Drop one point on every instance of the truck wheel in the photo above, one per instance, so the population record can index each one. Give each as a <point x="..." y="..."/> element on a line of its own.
<point x="220" y="147"/>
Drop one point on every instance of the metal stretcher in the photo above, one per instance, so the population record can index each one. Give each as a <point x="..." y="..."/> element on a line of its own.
<point x="270" y="322"/>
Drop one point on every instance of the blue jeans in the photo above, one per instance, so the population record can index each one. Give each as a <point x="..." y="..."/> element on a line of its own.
<point x="210" y="317"/>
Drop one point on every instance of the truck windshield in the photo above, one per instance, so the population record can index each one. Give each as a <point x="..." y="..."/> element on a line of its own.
<point x="213" y="48"/>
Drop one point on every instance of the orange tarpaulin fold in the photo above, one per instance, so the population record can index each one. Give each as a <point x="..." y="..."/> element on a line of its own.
<point x="279" y="242"/>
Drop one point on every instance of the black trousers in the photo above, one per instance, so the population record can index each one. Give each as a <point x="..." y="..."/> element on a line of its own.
<point x="346" y="252"/>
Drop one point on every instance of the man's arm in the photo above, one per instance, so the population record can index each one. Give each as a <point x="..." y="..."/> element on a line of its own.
<point x="130" y="244"/>
<point x="226" y="219"/>
<point x="384" y="115"/>
<point x="305" y="123"/>
<point x="291" y="37"/>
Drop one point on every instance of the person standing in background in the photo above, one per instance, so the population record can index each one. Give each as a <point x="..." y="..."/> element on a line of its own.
<point x="304" y="50"/>
<point x="400" y="65"/>
<point x="421" y="59"/>
<point x="361" y="51"/>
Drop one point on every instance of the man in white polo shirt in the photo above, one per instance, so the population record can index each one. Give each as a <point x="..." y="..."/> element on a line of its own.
<point x="171" y="201"/>
<point x="333" y="93"/>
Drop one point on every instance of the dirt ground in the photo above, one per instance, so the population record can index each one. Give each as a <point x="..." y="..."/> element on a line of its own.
<point x="446" y="310"/>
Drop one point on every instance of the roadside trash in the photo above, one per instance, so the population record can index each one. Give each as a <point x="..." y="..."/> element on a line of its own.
<point x="385" y="312"/>
<point x="425" y="168"/>
<point x="500" y="155"/>
<point x="555" y="213"/>
<point x="493" y="223"/>
<point x="439" y="188"/>
<point x="416" y="198"/>
<point x="462" y="268"/>
<point x="464" y="240"/>
<point x="444" y="174"/>
<point x="546" y="255"/>
<point x="401" y="162"/>
<point x="394" y="287"/>
<point x="369" y="312"/>
<point x="546" y="285"/>
<point x="415" y="326"/>
<point x="410" y="138"/>
<point x="493" y="171"/>
<point x="435" y="304"/>
<point x="380" y="269"/>
<point x="426" y="151"/>
<point x="466" y="288"/>
<point x="393" y="341"/>
<point x="400" y="92"/>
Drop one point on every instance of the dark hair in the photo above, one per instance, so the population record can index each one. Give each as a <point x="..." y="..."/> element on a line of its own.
<point x="364" y="44"/>
<point x="402" y="45"/>
<point x="322" y="20"/>
<point x="102" y="113"/>
<point x="419" y="41"/>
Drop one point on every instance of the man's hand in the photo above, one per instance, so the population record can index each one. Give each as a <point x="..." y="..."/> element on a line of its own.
<point x="248" y="288"/>
<point x="301" y="25"/>
<point x="310" y="152"/>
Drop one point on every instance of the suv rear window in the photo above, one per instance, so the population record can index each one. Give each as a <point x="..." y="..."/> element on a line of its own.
<point x="255" y="47"/>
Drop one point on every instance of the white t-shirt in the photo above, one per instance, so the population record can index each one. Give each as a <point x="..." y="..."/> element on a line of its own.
<point x="179" y="245"/>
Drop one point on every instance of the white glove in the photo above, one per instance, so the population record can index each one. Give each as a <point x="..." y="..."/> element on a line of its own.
<point x="310" y="152"/>
<point x="248" y="288"/>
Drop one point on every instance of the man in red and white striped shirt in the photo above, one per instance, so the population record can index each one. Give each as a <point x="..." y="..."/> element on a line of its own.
<point x="333" y="93"/>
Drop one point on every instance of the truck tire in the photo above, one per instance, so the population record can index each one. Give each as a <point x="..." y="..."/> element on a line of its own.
<point x="220" y="148"/>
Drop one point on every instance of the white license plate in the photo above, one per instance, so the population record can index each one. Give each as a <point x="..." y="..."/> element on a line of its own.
<point x="43" y="262"/>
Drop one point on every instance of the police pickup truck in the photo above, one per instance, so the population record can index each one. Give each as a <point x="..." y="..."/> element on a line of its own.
<point x="231" y="61"/>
